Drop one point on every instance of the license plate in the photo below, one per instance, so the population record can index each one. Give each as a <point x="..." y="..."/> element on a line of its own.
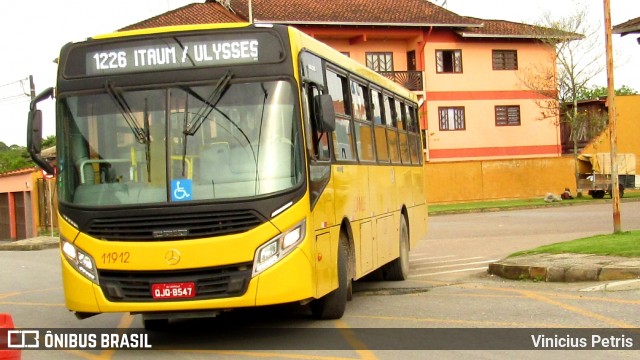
<point x="173" y="290"/>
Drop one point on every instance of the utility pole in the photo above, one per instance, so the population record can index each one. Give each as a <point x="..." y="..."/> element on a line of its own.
<point x="45" y="179"/>
<point x="32" y="87"/>
<point x="613" y="134"/>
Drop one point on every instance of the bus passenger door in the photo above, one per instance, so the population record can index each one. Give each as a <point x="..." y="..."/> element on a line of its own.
<point x="384" y="202"/>
<point x="321" y="193"/>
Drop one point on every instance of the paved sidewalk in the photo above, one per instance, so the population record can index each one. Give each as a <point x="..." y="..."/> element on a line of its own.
<point x="37" y="243"/>
<point x="567" y="267"/>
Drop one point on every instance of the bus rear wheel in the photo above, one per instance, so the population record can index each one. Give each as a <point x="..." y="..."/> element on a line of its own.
<point x="398" y="269"/>
<point x="332" y="305"/>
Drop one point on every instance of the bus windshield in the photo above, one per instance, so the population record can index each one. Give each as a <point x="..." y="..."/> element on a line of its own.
<point x="183" y="143"/>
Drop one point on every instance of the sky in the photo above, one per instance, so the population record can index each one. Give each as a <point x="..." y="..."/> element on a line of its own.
<point x="35" y="30"/>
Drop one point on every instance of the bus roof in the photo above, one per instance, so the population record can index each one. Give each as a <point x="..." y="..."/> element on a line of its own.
<point x="169" y="29"/>
<point x="307" y="42"/>
<point x="299" y="38"/>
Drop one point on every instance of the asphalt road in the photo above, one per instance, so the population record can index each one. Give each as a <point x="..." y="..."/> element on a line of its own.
<point x="418" y="314"/>
<point x="460" y="246"/>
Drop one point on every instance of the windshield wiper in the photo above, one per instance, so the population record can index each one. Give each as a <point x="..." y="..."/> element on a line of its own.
<point x="140" y="134"/>
<point x="190" y="128"/>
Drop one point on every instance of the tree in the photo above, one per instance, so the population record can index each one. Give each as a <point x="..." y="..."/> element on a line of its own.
<point x="49" y="141"/>
<point x="13" y="157"/>
<point x="578" y="58"/>
<point x="596" y="92"/>
<point x="16" y="157"/>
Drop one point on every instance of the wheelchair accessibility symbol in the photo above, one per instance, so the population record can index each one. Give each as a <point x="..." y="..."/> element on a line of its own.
<point x="181" y="190"/>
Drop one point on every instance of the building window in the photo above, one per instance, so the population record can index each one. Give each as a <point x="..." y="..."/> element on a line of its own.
<point x="508" y="115"/>
<point x="380" y="61"/>
<point x="449" y="61"/>
<point x="505" y="60"/>
<point x="451" y="118"/>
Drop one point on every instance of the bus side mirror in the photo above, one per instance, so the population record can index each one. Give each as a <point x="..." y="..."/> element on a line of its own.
<point x="325" y="113"/>
<point x="34" y="131"/>
<point x="34" y="137"/>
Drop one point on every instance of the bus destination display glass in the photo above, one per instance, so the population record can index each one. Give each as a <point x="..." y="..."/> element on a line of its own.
<point x="173" y="53"/>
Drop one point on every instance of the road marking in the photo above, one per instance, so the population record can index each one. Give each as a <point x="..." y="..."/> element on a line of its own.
<point x="30" y="304"/>
<point x="475" y="323"/>
<point x="256" y="354"/>
<point x="349" y="336"/>
<point x="416" y="257"/>
<point x="427" y="266"/>
<point x="540" y="297"/>
<point x="455" y="260"/>
<point x="125" y="322"/>
<point x="448" y="272"/>
<point x="616" y="285"/>
<point x="580" y="311"/>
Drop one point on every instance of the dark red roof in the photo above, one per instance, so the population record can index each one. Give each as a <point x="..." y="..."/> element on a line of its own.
<point x="360" y="12"/>
<point x="391" y="13"/>
<point x="628" y="27"/>
<point x="192" y="14"/>
<point x="508" y="29"/>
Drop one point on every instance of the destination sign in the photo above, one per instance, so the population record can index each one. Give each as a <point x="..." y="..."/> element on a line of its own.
<point x="174" y="53"/>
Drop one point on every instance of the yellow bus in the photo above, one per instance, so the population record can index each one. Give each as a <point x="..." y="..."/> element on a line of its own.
<point x="221" y="166"/>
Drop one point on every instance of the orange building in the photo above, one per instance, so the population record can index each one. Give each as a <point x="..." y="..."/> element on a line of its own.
<point x="18" y="205"/>
<point x="467" y="70"/>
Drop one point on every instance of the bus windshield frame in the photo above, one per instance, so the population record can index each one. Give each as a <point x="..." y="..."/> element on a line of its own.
<point x="179" y="143"/>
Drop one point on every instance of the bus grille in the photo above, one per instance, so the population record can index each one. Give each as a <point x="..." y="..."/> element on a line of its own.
<point x="173" y="226"/>
<point x="211" y="283"/>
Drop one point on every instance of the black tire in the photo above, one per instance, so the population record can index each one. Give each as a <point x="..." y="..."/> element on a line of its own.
<point x="597" y="194"/>
<point x="398" y="269"/>
<point x="332" y="305"/>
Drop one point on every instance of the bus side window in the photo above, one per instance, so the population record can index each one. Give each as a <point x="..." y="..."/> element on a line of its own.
<point x="376" y="108"/>
<point x="362" y="121"/>
<point x="342" y="136"/>
<point x="380" y="133"/>
<point x="403" y="139"/>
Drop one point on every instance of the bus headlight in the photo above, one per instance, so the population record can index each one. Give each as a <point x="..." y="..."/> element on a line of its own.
<point x="80" y="261"/>
<point x="277" y="248"/>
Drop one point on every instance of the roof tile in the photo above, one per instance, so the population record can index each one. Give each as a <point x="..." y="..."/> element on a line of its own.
<point x="508" y="29"/>
<point x="401" y="13"/>
<point x="18" y="172"/>
<point x="628" y="27"/>
<point x="388" y="12"/>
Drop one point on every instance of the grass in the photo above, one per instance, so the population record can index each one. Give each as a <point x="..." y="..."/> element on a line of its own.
<point x="623" y="244"/>
<point x="518" y="203"/>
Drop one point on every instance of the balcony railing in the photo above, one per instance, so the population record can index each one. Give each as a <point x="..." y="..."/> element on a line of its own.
<point x="412" y="80"/>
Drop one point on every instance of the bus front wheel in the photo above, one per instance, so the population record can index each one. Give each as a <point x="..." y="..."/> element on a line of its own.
<point x="332" y="305"/>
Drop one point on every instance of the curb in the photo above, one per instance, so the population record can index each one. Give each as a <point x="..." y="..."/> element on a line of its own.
<point x="566" y="268"/>
<point x="39" y="243"/>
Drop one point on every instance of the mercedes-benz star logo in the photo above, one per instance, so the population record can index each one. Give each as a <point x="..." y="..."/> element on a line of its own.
<point x="172" y="257"/>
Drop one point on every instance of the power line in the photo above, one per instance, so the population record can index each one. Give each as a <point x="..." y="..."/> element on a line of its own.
<point x="10" y="95"/>
<point x="13" y="99"/>
<point x="21" y="81"/>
